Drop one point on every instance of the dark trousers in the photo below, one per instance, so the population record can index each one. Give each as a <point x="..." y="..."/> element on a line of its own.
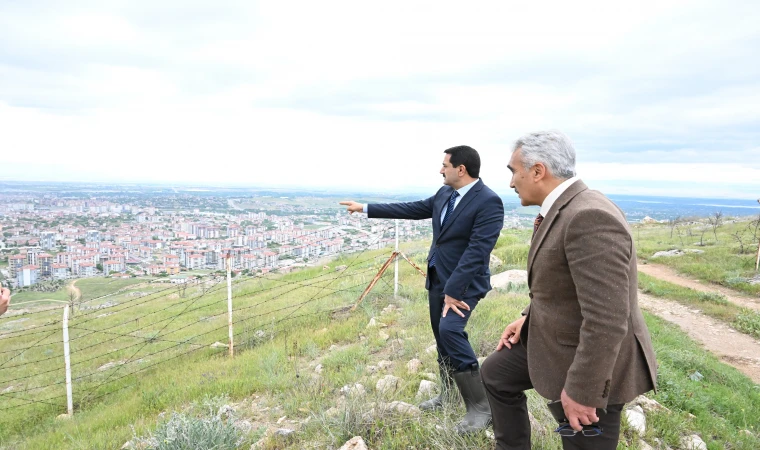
<point x="505" y="377"/>
<point x="454" y="350"/>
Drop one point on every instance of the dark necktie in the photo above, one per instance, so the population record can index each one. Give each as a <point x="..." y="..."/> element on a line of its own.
<point x="449" y="210"/>
<point x="537" y="223"/>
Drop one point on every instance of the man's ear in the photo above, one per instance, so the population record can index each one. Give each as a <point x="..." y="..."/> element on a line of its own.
<point x="462" y="170"/>
<point x="538" y="171"/>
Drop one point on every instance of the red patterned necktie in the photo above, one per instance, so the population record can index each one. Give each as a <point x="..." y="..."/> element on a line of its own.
<point x="537" y="223"/>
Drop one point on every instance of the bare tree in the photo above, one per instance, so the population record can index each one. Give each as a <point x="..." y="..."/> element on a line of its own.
<point x="741" y="239"/>
<point x="72" y="301"/>
<point x="673" y="224"/>
<point x="702" y="232"/>
<point x="754" y="227"/>
<point x="715" y="221"/>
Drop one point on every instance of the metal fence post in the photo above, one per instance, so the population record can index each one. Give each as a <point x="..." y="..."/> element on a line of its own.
<point x="229" y="301"/>
<point x="67" y="361"/>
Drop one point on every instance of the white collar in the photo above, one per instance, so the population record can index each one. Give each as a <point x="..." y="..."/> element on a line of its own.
<point x="466" y="188"/>
<point x="554" y="195"/>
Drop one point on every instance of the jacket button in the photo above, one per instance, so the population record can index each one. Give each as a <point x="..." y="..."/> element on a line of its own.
<point x="530" y="295"/>
<point x="437" y="245"/>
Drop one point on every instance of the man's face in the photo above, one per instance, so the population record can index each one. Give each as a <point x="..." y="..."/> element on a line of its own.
<point x="449" y="172"/>
<point x="521" y="181"/>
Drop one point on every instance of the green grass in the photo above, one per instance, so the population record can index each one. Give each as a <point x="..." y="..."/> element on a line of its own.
<point x="712" y="304"/>
<point x="278" y="346"/>
<point x="100" y="286"/>
<point x="31" y="296"/>
<point x="721" y="262"/>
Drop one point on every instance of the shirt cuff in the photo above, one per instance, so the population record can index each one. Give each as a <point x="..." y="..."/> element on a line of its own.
<point x="365" y="208"/>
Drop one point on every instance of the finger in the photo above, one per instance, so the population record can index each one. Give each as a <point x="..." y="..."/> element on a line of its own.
<point x="464" y="305"/>
<point x="574" y="423"/>
<point x="515" y="338"/>
<point x="593" y="417"/>
<point x="345" y="203"/>
<point x="500" y="345"/>
<point x="456" y="310"/>
<point x="445" y="310"/>
<point x="585" y="419"/>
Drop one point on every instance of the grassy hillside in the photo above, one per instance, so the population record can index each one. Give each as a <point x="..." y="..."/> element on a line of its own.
<point x="722" y="261"/>
<point x="285" y="327"/>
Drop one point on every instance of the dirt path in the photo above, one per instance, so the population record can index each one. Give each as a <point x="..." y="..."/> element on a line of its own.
<point x="732" y="347"/>
<point x="73" y="288"/>
<point x="668" y="274"/>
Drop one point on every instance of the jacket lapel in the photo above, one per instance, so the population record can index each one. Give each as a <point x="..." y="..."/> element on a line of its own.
<point x="575" y="189"/>
<point x="440" y="203"/>
<point x="472" y="193"/>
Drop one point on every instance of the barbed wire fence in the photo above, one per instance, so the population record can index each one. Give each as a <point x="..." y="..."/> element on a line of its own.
<point x="111" y="343"/>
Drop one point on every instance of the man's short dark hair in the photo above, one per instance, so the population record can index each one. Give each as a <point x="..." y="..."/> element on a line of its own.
<point x="464" y="154"/>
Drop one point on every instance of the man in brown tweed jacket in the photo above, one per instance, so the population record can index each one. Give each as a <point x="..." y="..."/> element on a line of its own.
<point x="582" y="339"/>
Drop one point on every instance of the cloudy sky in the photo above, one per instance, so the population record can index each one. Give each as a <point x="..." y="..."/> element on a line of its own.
<point x="659" y="97"/>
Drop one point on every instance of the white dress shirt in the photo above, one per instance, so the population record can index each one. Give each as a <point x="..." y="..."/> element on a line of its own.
<point x="554" y="195"/>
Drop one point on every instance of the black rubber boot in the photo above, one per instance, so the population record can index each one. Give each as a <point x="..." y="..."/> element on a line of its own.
<point x="478" y="415"/>
<point x="447" y="391"/>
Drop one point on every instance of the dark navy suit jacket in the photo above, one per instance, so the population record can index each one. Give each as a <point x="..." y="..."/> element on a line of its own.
<point x="463" y="246"/>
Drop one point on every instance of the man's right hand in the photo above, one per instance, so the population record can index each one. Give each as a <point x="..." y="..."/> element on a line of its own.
<point x="353" y="206"/>
<point x="511" y="334"/>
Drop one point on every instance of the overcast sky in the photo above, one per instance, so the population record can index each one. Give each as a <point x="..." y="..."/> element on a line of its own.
<point x="659" y="97"/>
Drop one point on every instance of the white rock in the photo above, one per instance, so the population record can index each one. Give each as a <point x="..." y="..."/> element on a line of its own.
<point x="648" y="404"/>
<point x="384" y="364"/>
<point x="431" y="349"/>
<point x="383" y="335"/>
<point x="390" y="309"/>
<point x="388" y="384"/>
<point x="644" y="446"/>
<point x="284" y="432"/>
<point x="354" y="390"/>
<point x="355" y="443"/>
<point x="318" y="369"/>
<point x="371" y="369"/>
<point x="636" y="419"/>
<point x="513" y="277"/>
<point x="427" y="388"/>
<point x="333" y="347"/>
<point x="693" y="442"/>
<point x="405" y="408"/>
<point x="414" y="365"/>
<point x="375" y="323"/>
<point x="495" y="261"/>
<point x="219" y="345"/>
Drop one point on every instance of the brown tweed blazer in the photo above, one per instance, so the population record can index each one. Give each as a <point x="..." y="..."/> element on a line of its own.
<point x="584" y="330"/>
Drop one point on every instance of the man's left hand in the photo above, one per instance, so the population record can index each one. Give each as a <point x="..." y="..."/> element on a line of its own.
<point x="450" y="303"/>
<point x="5" y="299"/>
<point x="577" y="414"/>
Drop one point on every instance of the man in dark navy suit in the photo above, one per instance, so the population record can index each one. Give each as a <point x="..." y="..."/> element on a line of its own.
<point x="467" y="219"/>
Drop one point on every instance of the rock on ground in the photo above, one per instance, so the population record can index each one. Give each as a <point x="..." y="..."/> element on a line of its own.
<point x="693" y="442"/>
<point x="388" y="384"/>
<point x="355" y="443"/>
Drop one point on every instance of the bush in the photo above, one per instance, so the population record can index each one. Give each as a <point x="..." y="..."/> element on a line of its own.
<point x="748" y="321"/>
<point x="182" y="432"/>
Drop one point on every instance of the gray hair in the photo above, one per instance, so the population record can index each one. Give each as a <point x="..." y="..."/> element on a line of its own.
<point x="552" y="148"/>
